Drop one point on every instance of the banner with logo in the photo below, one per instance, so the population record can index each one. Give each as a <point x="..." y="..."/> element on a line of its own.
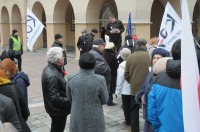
<point x="170" y="29"/>
<point x="34" y="29"/>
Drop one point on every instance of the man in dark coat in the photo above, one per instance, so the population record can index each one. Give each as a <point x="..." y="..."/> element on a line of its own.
<point x="8" y="112"/>
<point x="54" y="85"/>
<point x="82" y="43"/>
<point x="109" y="56"/>
<point x="137" y="68"/>
<point x="90" y="38"/>
<point x="15" y="44"/>
<point x="114" y="29"/>
<point x="59" y="43"/>
<point x="101" y="67"/>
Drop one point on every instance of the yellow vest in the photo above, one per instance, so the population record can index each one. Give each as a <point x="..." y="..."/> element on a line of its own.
<point x="16" y="43"/>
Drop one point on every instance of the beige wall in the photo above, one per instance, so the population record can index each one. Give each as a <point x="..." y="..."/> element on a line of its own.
<point x="86" y="14"/>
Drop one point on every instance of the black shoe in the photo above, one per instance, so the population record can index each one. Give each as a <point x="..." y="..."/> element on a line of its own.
<point x="111" y="104"/>
<point x="128" y="124"/>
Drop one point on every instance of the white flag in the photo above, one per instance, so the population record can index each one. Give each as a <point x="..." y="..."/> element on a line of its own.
<point x="34" y="28"/>
<point x="190" y="75"/>
<point x="170" y="29"/>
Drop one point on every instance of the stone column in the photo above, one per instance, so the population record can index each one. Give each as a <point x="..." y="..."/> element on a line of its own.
<point x="50" y="34"/>
<point x="5" y="33"/>
<point x="24" y="36"/>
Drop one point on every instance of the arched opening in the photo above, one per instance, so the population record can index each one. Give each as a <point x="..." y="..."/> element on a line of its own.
<point x="64" y="23"/>
<point x="5" y="27"/>
<point x="17" y="20"/>
<point x="104" y="8"/>
<point x="157" y="12"/>
<point x="196" y="20"/>
<point x="108" y="8"/>
<point x="39" y="12"/>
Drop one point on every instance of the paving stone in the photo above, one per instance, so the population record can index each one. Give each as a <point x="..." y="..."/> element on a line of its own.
<point x="40" y="121"/>
<point x="36" y="122"/>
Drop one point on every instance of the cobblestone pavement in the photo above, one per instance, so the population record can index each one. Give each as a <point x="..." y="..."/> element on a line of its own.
<point x="39" y="121"/>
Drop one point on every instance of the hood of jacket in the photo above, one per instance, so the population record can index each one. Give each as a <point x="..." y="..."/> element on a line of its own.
<point x="23" y="76"/>
<point x="173" y="68"/>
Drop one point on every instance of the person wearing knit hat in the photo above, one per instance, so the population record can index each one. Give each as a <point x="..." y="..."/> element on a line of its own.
<point x="110" y="45"/>
<point x="58" y="36"/>
<point x="15" y="44"/>
<point x="87" y="61"/>
<point x="9" y="67"/>
<point x="166" y="93"/>
<point x="58" y="42"/>
<point x="87" y="93"/>
<point x="159" y="53"/>
<point x="123" y="87"/>
<point x="124" y="53"/>
<point x="109" y="56"/>
<point x="141" y="96"/>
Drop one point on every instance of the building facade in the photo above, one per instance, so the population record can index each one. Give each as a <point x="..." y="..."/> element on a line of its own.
<point x="69" y="17"/>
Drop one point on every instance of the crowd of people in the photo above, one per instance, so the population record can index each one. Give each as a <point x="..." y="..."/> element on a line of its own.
<point x="143" y="74"/>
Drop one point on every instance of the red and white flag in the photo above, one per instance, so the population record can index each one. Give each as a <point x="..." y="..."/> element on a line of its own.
<point x="190" y="75"/>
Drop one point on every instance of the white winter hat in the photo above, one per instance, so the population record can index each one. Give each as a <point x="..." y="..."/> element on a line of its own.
<point x="124" y="53"/>
<point x="110" y="45"/>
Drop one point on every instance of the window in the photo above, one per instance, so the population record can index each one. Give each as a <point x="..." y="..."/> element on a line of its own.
<point x="106" y="11"/>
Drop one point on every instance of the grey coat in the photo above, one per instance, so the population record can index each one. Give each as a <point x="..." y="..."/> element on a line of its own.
<point x="87" y="92"/>
<point x="101" y="67"/>
<point x="8" y="112"/>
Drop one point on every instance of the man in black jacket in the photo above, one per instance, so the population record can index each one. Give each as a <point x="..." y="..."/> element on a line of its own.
<point x="90" y="38"/>
<point x="82" y="43"/>
<point x="114" y="29"/>
<point x="59" y="43"/>
<point x="54" y="85"/>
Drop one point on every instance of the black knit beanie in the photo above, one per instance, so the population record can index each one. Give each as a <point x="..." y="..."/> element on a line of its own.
<point x="87" y="61"/>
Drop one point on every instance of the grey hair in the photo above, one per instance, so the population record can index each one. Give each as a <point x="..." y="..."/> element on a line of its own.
<point x="141" y="41"/>
<point x="53" y="54"/>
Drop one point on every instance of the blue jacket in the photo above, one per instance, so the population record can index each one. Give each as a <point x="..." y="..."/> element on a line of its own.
<point x="165" y="100"/>
<point x="21" y="80"/>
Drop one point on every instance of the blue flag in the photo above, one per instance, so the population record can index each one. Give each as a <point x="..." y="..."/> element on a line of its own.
<point x="129" y="26"/>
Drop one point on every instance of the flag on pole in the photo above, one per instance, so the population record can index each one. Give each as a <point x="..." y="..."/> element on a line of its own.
<point x="34" y="28"/>
<point x="190" y="75"/>
<point x="129" y="26"/>
<point x="170" y="29"/>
